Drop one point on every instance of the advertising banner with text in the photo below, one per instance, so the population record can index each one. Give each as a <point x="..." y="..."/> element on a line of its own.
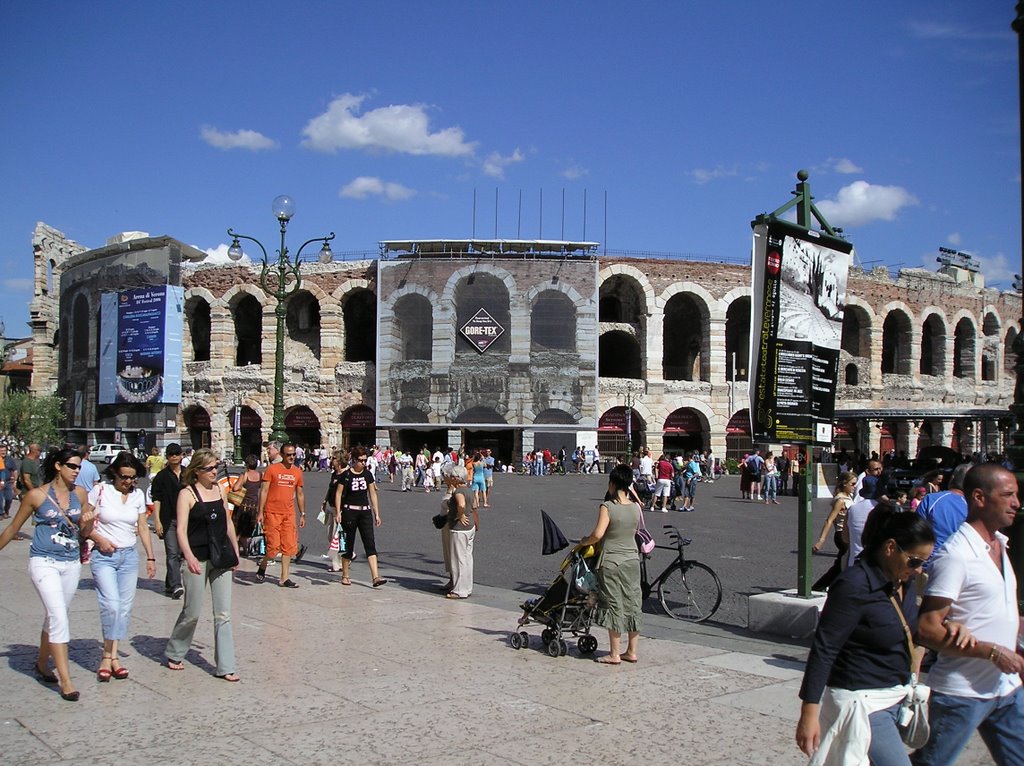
<point x="799" y="293"/>
<point x="140" y="345"/>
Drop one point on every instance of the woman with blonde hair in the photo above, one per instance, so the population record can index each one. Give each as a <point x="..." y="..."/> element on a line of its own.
<point x="210" y="549"/>
<point x="836" y="520"/>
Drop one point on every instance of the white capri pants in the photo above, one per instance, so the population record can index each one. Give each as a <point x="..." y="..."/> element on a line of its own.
<point x="56" y="583"/>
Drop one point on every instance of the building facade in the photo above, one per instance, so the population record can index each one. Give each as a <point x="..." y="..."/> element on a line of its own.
<point x="926" y="356"/>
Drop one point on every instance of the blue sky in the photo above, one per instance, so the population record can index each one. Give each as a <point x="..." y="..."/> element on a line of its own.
<point x="381" y="119"/>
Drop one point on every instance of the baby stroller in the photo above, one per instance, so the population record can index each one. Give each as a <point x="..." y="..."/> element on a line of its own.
<point x="567" y="606"/>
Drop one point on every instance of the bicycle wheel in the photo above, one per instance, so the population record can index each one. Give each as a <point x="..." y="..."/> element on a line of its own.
<point x="690" y="592"/>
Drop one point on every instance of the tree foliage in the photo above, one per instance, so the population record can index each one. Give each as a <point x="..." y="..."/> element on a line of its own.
<point x="26" y="418"/>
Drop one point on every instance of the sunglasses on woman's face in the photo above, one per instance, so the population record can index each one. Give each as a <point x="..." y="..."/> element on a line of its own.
<point x="122" y="477"/>
<point x="73" y="466"/>
<point x="208" y="468"/>
<point x="912" y="561"/>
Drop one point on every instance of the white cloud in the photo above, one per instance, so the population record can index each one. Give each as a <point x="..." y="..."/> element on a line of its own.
<point x="954" y="239"/>
<point x="366" y="186"/>
<point x="861" y="202"/>
<point x="997" y="268"/>
<point x="574" y="172"/>
<point x="17" y="284"/>
<point x="402" y="128"/>
<point x="843" y="165"/>
<point x="703" y="175"/>
<point x="935" y="30"/>
<point x="240" y="139"/>
<point x="495" y="164"/>
<point x="219" y="254"/>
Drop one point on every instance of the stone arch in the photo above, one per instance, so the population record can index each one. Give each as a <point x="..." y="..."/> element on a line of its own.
<point x="198" y="319"/>
<point x="553" y="320"/>
<point x="413" y="326"/>
<point x="619" y="356"/>
<point x="1009" y="354"/>
<point x="965" y="347"/>
<point x="737" y="337"/>
<point x="625" y="295"/>
<point x="933" y="344"/>
<point x="359" y="313"/>
<point x="470" y="289"/>
<point x="991" y="323"/>
<point x="858" y="323"/>
<point x="686" y="337"/>
<point x="302" y="320"/>
<point x="897" y="336"/>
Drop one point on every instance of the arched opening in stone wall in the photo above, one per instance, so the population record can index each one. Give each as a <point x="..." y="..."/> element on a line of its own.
<point x="852" y="375"/>
<point x="80" y="329"/>
<point x="963" y="349"/>
<point x="685" y="339"/>
<point x="1009" y="355"/>
<point x="360" y="314"/>
<point x="684" y="431"/>
<point x="737" y="339"/>
<point x="620" y="432"/>
<point x="896" y="336"/>
<point x="482" y="291"/>
<point x="553" y="439"/>
<point x="925" y="435"/>
<point x="618" y="356"/>
<point x="358" y="426"/>
<point x="414" y="326"/>
<point x="197" y="314"/>
<point x="302" y="322"/>
<point x="248" y="316"/>
<point x="988" y="367"/>
<point x="302" y="426"/>
<point x="856" y="339"/>
<point x="553" y="322"/>
<point x="933" y="346"/>
<point x="250" y="426"/>
<point x="197" y="424"/>
<point x="990" y="325"/>
<point x="621" y="300"/>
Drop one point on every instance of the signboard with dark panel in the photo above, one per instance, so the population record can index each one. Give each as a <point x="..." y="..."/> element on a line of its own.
<point x="799" y="293"/>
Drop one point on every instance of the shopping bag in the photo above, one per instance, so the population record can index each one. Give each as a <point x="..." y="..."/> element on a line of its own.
<point x="257" y="543"/>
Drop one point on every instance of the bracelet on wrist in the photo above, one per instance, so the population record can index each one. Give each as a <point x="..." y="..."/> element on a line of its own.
<point x="150" y="559"/>
<point x="994" y="653"/>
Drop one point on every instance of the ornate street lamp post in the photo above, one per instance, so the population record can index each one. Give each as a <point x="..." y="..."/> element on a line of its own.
<point x="281" y="280"/>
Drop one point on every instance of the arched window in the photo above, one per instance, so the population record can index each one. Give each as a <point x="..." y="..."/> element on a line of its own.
<point x="553" y="322"/>
<point x="483" y="291"/>
<point x="1009" y="354"/>
<point x="856" y="332"/>
<point x="988" y="367"/>
<point x="303" y="321"/>
<point x="621" y="300"/>
<point x="963" y="349"/>
<point x="360" y="312"/>
<point x="619" y="356"/>
<point x="896" y="344"/>
<point x="737" y="338"/>
<point x="933" y="346"/>
<point x="990" y="326"/>
<point x="414" y="325"/>
<point x="684" y="339"/>
<point x="197" y="311"/>
<point x="80" y="330"/>
<point x="852" y="375"/>
<point x="248" y="315"/>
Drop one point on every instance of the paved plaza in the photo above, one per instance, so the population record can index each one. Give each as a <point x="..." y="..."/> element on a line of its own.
<point x="395" y="675"/>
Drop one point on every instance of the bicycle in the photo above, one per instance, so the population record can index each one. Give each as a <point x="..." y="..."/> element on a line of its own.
<point x="687" y="589"/>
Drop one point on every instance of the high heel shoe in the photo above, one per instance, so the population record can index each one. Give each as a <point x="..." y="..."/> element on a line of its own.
<point x="70" y="696"/>
<point x="103" y="674"/>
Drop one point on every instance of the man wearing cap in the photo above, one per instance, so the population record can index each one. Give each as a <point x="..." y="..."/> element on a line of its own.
<point x="164" y="491"/>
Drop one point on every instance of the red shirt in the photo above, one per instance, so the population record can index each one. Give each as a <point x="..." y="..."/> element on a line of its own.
<point x="665" y="470"/>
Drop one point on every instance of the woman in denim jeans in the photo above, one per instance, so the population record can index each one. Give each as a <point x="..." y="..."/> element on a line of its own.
<point x="120" y="519"/>
<point x="771" y="480"/>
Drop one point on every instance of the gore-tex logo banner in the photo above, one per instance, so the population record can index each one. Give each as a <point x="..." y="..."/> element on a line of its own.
<point x="482" y="330"/>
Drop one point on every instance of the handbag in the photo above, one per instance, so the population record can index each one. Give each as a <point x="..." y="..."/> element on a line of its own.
<point x="644" y="541"/>
<point x="222" y="552"/>
<point x="440" y="521"/>
<point x="257" y="543"/>
<point x="236" y="496"/>
<point x="912" y="721"/>
<point x="585" y="580"/>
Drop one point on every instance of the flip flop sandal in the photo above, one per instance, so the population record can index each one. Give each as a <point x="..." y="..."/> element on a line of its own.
<point x="288" y="584"/>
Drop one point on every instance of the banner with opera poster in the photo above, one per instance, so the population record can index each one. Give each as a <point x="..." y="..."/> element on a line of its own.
<point x="799" y="293"/>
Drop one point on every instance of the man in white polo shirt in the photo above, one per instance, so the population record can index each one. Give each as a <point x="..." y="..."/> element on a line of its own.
<point x="972" y="583"/>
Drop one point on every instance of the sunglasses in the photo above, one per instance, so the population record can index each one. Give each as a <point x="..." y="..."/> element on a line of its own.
<point x="914" y="562"/>
<point x="208" y="469"/>
<point x="127" y="478"/>
<point x="287" y="454"/>
<point x="73" y="466"/>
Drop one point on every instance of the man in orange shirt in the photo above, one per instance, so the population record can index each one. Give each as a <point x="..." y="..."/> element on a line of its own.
<point x="281" y="492"/>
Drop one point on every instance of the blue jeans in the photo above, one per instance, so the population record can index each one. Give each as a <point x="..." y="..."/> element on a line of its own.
<point x="771" y="487"/>
<point x="886" y="748"/>
<point x="1000" y="721"/>
<point x="116" y="575"/>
